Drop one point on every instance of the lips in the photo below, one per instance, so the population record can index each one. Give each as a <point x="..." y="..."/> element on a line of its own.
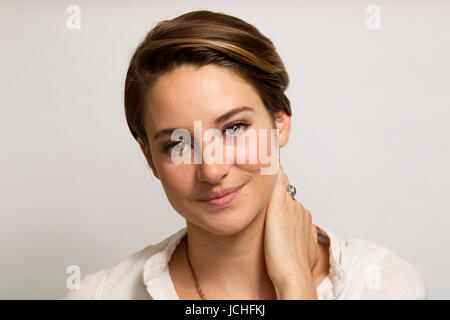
<point x="218" y="194"/>
<point x="222" y="198"/>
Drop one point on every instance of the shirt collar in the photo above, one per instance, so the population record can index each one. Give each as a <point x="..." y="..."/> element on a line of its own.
<point x="156" y="269"/>
<point x="160" y="286"/>
<point x="336" y="274"/>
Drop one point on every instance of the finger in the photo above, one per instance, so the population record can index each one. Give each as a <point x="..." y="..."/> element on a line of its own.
<point x="284" y="184"/>
<point x="307" y="220"/>
<point x="284" y="178"/>
<point x="280" y="187"/>
<point x="314" y="232"/>
<point x="308" y="216"/>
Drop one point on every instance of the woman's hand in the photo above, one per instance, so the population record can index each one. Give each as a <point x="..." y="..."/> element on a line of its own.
<point x="290" y="244"/>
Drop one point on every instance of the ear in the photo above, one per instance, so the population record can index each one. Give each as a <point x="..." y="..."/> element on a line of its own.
<point x="148" y="157"/>
<point x="283" y="123"/>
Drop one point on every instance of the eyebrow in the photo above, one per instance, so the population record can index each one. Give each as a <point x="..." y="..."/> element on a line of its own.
<point x="219" y="120"/>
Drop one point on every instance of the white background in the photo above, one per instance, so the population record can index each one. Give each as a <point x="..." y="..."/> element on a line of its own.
<point x="369" y="149"/>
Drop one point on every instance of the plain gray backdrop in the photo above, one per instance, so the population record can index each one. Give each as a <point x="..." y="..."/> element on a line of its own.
<point x="368" y="153"/>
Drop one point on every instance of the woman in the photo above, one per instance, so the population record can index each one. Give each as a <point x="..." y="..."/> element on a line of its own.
<point x="246" y="237"/>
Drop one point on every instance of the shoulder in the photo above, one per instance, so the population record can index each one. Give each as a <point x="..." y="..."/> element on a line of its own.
<point x="122" y="280"/>
<point x="90" y="287"/>
<point x="373" y="271"/>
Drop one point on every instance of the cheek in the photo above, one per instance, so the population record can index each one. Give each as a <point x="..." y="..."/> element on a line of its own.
<point x="257" y="149"/>
<point x="263" y="186"/>
<point x="176" y="181"/>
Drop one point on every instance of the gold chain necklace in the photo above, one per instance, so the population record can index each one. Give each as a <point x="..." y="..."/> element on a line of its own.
<point x="321" y="238"/>
<point x="194" y="275"/>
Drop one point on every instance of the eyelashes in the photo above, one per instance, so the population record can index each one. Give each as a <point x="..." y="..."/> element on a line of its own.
<point x="241" y="124"/>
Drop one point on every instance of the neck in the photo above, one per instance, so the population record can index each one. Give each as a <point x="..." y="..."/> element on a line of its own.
<point x="231" y="265"/>
<point x="235" y="266"/>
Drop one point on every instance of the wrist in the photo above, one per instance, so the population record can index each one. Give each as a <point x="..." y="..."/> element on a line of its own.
<point x="298" y="288"/>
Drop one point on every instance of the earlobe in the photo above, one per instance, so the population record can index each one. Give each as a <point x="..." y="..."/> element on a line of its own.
<point x="155" y="173"/>
<point x="147" y="157"/>
<point x="283" y="122"/>
<point x="152" y="166"/>
<point x="142" y="146"/>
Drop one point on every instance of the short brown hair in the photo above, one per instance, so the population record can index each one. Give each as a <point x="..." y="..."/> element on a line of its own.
<point x="199" y="38"/>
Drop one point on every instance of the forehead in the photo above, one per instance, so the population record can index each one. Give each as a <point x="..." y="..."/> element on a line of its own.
<point x="190" y="93"/>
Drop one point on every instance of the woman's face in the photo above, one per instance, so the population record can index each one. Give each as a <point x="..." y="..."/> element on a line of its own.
<point x="203" y="94"/>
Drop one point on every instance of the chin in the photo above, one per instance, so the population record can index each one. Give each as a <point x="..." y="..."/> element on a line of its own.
<point x="226" y="222"/>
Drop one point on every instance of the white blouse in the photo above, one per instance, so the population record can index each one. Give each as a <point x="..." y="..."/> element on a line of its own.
<point x="358" y="270"/>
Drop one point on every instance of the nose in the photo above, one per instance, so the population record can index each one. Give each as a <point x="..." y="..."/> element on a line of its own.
<point x="211" y="172"/>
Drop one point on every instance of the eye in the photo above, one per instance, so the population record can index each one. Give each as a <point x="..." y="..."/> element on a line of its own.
<point x="176" y="145"/>
<point x="236" y="128"/>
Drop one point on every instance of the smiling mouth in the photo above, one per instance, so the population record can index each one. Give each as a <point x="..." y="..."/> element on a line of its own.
<point x="224" y="200"/>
